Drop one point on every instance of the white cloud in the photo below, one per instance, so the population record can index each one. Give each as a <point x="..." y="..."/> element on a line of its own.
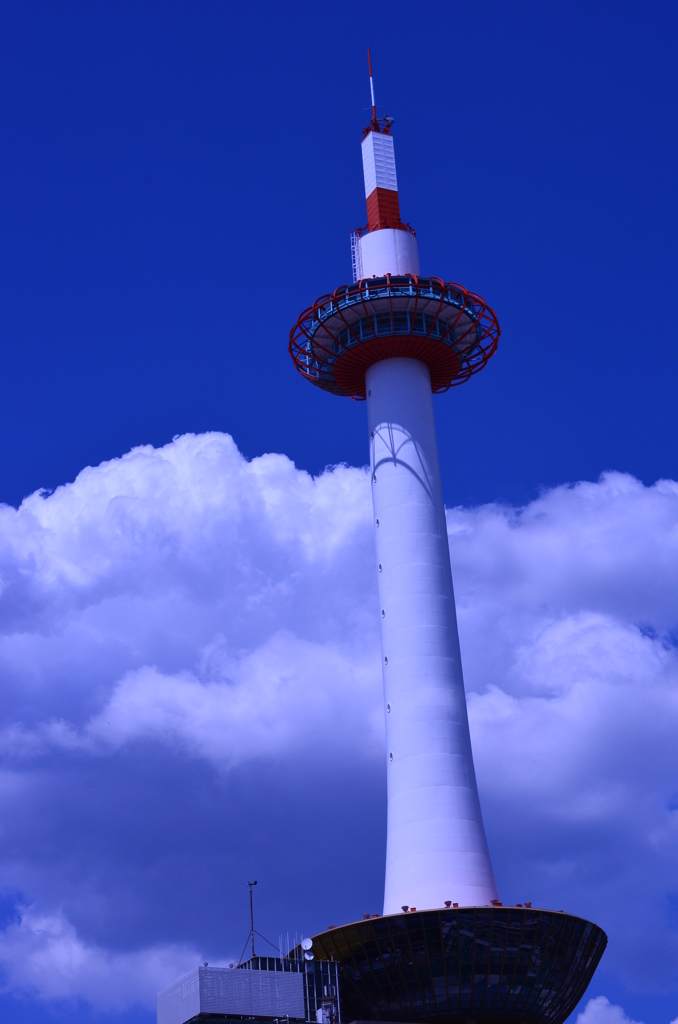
<point x="264" y="704"/>
<point x="42" y="955"/>
<point x="184" y="606"/>
<point x="568" y="624"/>
<point x="601" y="1011"/>
<point x="256" y="713"/>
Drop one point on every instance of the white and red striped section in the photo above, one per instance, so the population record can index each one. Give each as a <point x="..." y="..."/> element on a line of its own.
<point x="381" y="183"/>
<point x="387" y="247"/>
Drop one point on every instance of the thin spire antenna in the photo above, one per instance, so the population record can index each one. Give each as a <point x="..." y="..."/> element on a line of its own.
<point x="251" y="884"/>
<point x="374" y="106"/>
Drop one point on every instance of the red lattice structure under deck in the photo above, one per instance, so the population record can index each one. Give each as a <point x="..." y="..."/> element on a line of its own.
<point x="445" y="326"/>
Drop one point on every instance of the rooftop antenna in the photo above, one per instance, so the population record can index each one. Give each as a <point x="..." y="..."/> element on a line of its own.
<point x="251" y="885"/>
<point x="374" y="107"/>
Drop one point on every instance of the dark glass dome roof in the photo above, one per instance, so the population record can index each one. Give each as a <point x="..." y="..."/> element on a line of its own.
<point x="489" y="964"/>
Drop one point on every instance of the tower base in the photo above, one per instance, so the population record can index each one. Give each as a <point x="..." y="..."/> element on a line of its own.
<point x="516" y="965"/>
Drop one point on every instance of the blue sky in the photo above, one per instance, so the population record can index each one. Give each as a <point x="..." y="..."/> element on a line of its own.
<point x="188" y="643"/>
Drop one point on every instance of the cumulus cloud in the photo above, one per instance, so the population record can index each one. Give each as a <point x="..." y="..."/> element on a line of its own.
<point x="189" y="655"/>
<point x="252" y="712"/>
<point x="568" y="623"/>
<point x="41" y="954"/>
<point x="601" y="1011"/>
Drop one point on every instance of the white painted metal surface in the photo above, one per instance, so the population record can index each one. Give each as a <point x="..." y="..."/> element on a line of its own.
<point x="179" y="1001"/>
<point x="232" y="991"/>
<point x="436" y="846"/>
<point x="389" y="251"/>
<point x="379" y="168"/>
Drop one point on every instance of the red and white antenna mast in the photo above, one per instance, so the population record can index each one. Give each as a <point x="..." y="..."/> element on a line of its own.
<point x="374" y="106"/>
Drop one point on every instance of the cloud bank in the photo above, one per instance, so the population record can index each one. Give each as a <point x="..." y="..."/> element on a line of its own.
<point x="601" y="1011"/>
<point x="189" y="658"/>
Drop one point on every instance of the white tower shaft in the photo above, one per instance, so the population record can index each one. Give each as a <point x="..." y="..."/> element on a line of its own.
<point x="436" y="846"/>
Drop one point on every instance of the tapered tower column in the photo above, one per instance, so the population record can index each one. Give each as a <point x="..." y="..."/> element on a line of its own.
<point x="395" y="337"/>
<point x="436" y="847"/>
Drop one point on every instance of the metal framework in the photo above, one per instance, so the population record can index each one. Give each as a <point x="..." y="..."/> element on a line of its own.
<point x="490" y="964"/>
<point x="443" y="325"/>
<point x="321" y="981"/>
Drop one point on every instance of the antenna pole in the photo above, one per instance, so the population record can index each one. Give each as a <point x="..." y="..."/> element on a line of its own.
<point x="251" y="884"/>
<point x="369" y="63"/>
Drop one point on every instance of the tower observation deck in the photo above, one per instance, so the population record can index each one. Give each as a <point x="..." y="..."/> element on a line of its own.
<point x="394" y="337"/>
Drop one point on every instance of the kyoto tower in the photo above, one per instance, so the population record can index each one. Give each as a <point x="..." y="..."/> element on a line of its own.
<point x="394" y="338"/>
<point x="445" y="948"/>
